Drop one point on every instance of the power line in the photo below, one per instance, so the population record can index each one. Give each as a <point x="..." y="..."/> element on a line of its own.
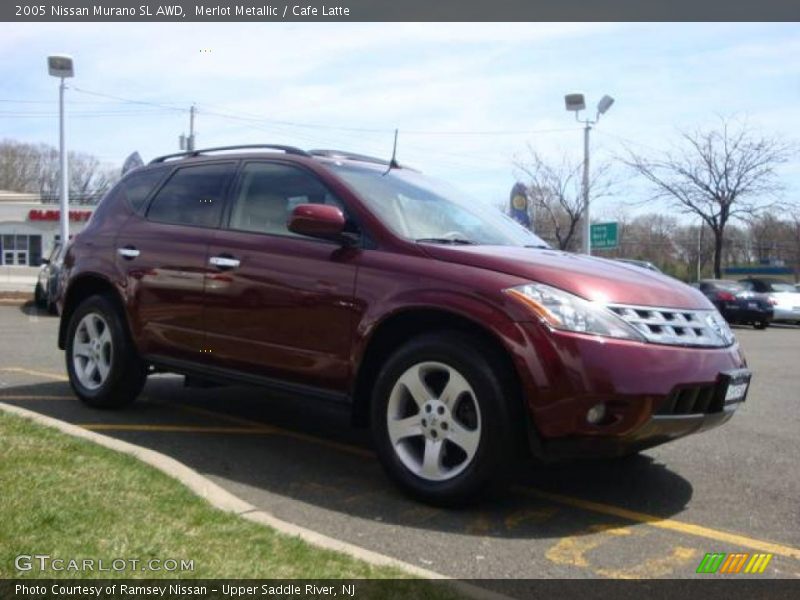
<point x="128" y="100"/>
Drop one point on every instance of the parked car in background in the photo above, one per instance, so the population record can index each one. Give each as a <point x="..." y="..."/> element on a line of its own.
<point x="785" y="295"/>
<point x="639" y="263"/>
<point x="737" y="303"/>
<point x="459" y="337"/>
<point x="46" y="291"/>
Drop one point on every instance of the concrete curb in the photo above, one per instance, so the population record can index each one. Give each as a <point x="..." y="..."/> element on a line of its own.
<point x="224" y="500"/>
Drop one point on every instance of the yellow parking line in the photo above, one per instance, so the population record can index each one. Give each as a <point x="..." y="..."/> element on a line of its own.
<point x="664" y="523"/>
<point x="56" y="376"/>
<point x="606" y="509"/>
<point x="173" y="428"/>
<point x="17" y="397"/>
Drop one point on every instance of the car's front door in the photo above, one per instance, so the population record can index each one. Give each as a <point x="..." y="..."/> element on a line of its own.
<point x="279" y="305"/>
<point x="164" y="257"/>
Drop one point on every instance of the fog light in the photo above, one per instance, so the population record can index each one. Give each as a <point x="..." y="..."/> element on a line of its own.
<point x="596" y="414"/>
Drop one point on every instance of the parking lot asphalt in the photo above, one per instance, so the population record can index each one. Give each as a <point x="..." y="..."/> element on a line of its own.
<point x="732" y="489"/>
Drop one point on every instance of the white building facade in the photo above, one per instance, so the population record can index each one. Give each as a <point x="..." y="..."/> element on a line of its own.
<point x="29" y="229"/>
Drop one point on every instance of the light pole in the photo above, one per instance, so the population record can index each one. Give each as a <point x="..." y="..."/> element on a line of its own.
<point x="61" y="66"/>
<point x="577" y="103"/>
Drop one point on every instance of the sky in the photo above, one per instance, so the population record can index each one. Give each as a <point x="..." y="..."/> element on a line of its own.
<point x="468" y="99"/>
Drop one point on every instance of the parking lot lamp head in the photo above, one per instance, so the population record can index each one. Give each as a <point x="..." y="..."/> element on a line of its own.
<point x="604" y="104"/>
<point x="61" y="66"/>
<point x="575" y="103"/>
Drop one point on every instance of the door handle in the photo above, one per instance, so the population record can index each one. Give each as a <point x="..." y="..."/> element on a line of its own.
<point x="128" y="252"/>
<point x="224" y="262"/>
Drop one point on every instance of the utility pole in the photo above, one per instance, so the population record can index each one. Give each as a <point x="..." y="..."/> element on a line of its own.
<point x="699" y="247"/>
<point x="576" y="103"/>
<point x="187" y="142"/>
<point x="587" y="223"/>
<point x="190" y="141"/>
<point x="62" y="154"/>
<point x="61" y="66"/>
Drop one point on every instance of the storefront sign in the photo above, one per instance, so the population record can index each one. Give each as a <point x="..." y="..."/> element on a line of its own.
<point x="55" y="215"/>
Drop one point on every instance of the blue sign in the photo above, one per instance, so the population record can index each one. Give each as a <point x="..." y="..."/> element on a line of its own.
<point x="518" y="205"/>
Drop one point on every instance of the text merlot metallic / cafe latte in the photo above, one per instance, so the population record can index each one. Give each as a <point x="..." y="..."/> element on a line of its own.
<point x="265" y="10"/>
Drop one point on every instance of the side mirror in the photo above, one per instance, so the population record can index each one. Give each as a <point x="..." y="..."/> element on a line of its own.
<point x="320" y="221"/>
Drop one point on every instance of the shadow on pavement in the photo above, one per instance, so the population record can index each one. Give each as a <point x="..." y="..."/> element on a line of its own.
<point x="309" y="457"/>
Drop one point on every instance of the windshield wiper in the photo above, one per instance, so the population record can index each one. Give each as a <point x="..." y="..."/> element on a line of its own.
<point x="435" y="240"/>
<point x="538" y="247"/>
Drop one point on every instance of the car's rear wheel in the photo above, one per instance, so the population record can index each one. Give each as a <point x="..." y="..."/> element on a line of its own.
<point x="103" y="366"/>
<point x="440" y="419"/>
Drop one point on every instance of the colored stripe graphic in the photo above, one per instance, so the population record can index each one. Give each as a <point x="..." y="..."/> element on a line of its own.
<point x="758" y="564"/>
<point x="711" y="562"/>
<point x="734" y="563"/>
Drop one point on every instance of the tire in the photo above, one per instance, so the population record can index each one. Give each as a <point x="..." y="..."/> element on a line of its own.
<point x="761" y="324"/>
<point x="97" y="333"/>
<point x="484" y="452"/>
<point x="38" y="296"/>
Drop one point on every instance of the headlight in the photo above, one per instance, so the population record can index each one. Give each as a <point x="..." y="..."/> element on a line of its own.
<point x="720" y="326"/>
<point x="562" y="310"/>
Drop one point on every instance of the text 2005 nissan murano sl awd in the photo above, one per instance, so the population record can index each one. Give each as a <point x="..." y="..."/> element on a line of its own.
<point x="455" y="334"/>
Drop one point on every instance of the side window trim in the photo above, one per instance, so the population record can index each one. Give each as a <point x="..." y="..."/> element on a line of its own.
<point x="224" y="194"/>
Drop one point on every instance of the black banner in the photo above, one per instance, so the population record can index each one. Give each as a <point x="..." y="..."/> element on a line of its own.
<point x="399" y="10"/>
<point x="708" y="588"/>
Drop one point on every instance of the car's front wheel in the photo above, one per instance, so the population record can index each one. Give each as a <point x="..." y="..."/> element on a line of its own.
<point x="440" y="419"/>
<point x="103" y="366"/>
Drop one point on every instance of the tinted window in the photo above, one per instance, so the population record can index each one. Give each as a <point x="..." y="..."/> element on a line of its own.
<point x="136" y="187"/>
<point x="192" y="196"/>
<point x="268" y="192"/>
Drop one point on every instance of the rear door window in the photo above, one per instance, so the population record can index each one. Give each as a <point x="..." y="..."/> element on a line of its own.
<point x="136" y="188"/>
<point x="193" y="196"/>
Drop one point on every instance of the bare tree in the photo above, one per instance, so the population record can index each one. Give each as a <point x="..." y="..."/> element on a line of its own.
<point x="35" y="168"/>
<point x="717" y="174"/>
<point x="554" y="190"/>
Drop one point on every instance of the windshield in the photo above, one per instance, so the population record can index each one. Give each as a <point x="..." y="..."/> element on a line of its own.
<point x="729" y="286"/>
<point x="422" y="209"/>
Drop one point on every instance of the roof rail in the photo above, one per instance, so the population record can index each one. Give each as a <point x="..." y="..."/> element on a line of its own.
<point x="348" y="156"/>
<point x="193" y="153"/>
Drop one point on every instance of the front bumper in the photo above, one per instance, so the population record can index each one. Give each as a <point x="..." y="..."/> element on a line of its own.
<point x="655" y="431"/>
<point x="644" y="387"/>
<point x="786" y="314"/>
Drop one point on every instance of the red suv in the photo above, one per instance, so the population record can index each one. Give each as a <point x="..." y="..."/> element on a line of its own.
<point x="455" y="334"/>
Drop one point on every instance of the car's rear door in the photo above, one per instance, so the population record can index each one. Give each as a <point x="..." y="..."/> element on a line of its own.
<point x="163" y="254"/>
<point x="279" y="305"/>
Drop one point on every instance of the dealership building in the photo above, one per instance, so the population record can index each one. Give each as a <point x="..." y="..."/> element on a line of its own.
<point x="30" y="228"/>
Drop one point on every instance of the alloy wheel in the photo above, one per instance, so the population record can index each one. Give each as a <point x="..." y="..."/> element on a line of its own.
<point x="433" y="420"/>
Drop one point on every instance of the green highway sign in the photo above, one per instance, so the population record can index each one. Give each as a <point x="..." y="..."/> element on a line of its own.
<point x="605" y="235"/>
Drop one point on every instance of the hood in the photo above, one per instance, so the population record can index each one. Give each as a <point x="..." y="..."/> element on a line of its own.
<point x="593" y="278"/>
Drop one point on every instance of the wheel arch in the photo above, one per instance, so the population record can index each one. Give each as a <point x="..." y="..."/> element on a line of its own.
<point x="83" y="286"/>
<point x="401" y="326"/>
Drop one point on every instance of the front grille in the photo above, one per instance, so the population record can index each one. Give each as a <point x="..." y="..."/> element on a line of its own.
<point x="677" y="327"/>
<point x="692" y="400"/>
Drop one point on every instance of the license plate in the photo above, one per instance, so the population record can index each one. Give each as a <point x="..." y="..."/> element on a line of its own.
<point x="752" y="305"/>
<point x="736" y="392"/>
<point x="736" y="384"/>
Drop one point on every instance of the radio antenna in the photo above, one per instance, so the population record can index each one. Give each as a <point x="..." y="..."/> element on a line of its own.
<point x="393" y="163"/>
